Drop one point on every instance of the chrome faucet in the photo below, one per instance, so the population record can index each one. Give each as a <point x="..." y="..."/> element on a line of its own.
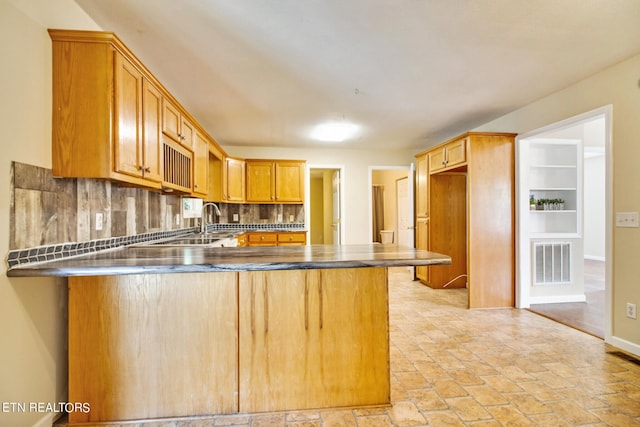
<point x="203" y="221"/>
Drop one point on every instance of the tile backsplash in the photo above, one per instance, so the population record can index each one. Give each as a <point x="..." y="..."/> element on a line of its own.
<point x="50" y="211"/>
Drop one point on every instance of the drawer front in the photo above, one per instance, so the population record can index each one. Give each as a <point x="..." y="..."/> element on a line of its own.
<point x="292" y="238"/>
<point x="263" y="239"/>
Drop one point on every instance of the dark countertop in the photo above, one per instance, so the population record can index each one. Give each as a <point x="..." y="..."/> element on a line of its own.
<point x="141" y="260"/>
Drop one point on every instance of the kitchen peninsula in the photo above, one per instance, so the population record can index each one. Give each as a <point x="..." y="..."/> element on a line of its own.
<point x="185" y="331"/>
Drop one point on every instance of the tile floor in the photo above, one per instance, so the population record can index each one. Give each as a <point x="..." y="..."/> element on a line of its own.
<point x="457" y="367"/>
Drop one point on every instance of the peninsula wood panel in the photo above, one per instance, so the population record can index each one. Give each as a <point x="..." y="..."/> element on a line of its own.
<point x="321" y="340"/>
<point x="151" y="346"/>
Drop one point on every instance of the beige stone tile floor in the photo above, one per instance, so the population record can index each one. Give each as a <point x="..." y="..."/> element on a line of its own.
<point x="456" y="367"/>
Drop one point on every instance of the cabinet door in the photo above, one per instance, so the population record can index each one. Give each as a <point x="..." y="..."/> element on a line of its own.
<point x="422" y="242"/>
<point x="437" y="160"/>
<point x="128" y="131"/>
<point x="201" y="165"/>
<point x="456" y="152"/>
<point x="170" y="120"/>
<point x="260" y="181"/>
<point x="151" y="132"/>
<point x="313" y="339"/>
<point x="422" y="185"/>
<point x="187" y="132"/>
<point x="233" y="180"/>
<point x="289" y="182"/>
<point x="135" y="353"/>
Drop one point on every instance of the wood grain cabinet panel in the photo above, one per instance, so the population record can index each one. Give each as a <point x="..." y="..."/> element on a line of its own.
<point x="176" y="125"/>
<point x="448" y="156"/>
<point x="260" y="181"/>
<point x="275" y="181"/>
<point x="233" y="180"/>
<point x="151" y="131"/>
<point x="200" y="165"/>
<point x="152" y="346"/>
<point x="320" y="341"/>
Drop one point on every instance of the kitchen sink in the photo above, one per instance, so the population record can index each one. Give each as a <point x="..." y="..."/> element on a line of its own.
<point x="209" y="240"/>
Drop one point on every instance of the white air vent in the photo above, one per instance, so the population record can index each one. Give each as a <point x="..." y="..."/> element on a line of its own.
<point x="551" y="263"/>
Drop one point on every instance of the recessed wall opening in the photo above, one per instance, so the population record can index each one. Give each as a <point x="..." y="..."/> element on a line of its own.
<point x="563" y="210"/>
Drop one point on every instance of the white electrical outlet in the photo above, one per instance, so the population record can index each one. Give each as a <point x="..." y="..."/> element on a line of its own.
<point x="177" y="219"/>
<point x="631" y="310"/>
<point x="235" y="217"/>
<point x="279" y="217"/>
<point x="291" y="218"/>
<point x="627" y="219"/>
<point x="99" y="221"/>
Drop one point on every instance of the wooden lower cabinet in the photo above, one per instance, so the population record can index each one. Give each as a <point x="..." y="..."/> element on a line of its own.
<point x="313" y="338"/>
<point x="173" y="345"/>
<point x="271" y="238"/>
<point x="153" y="346"/>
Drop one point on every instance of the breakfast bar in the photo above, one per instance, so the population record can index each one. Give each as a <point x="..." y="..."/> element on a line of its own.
<point x="187" y="331"/>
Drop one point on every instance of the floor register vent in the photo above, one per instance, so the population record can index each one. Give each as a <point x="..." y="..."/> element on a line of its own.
<point x="552" y="263"/>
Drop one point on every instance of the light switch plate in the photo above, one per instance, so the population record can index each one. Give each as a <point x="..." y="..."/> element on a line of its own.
<point x="627" y="219"/>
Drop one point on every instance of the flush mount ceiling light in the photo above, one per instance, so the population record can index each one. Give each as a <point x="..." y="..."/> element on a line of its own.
<point x="334" y="131"/>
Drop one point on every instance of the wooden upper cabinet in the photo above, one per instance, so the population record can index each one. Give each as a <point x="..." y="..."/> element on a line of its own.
<point x="275" y="181"/>
<point x="176" y="125"/>
<point x="260" y="181"/>
<point x="151" y="133"/>
<point x="113" y="119"/>
<point x="289" y="181"/>
<point x="233" y="187"/>
<point x="450" y="155"/>
<point x="200" y="165"/>
<point x="128" y="132"/>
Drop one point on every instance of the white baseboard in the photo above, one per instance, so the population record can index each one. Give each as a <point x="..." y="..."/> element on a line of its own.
<point x="625" y="345"/>
<point x="47" y="420"/>
<point x="595" y="258"/>
<point x="557" y="299"/>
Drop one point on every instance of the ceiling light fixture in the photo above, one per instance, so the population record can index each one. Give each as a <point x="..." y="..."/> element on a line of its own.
<point x="334" y="131"/>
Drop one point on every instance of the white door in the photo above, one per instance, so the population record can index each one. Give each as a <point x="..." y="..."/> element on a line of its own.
<point x="335" y="221"/>
<point x="405" y="217"/>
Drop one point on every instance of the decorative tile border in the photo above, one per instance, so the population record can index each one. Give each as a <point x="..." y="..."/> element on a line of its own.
<point x="70" y="249"/>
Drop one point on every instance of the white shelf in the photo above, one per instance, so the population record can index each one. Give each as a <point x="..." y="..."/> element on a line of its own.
<point x="553" y="173"/>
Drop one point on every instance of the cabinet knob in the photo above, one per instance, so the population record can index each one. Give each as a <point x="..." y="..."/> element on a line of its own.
<point x="261" y="237"/>
<point x="147" y="169"/>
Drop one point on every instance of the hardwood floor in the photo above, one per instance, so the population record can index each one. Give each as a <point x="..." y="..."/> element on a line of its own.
<point x="586" y="316"/>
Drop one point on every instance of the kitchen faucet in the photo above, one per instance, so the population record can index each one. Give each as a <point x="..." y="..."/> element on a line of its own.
<point x="203" y="221"/>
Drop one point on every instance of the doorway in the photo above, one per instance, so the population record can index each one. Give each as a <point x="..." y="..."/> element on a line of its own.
<point x="577" y="232"/>
<point x="391" y="196"/>
<point x="324" y="209"/>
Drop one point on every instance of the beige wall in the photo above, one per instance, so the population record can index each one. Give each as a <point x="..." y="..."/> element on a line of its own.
<point x="618" y="86"/>
<point x="32" y="311"/>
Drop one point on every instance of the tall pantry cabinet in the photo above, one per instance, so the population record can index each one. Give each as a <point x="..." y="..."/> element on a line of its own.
<point x="465" y="201"/>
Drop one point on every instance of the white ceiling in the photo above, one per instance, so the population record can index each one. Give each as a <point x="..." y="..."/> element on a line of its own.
<point x="410" y="72"/>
